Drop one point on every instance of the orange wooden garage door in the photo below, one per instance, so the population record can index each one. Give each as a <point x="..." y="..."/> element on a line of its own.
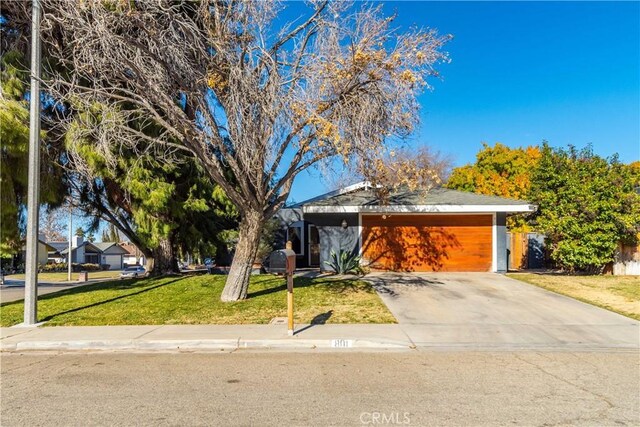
<point x="427" y="242"/>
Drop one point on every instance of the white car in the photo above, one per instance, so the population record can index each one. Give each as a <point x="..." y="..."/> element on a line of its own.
<point x="133" y="272"/>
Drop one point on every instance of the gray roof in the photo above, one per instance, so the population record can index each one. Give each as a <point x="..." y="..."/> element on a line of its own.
<point x="59" y="246"/>
<point x="104" y="246"/>
<point x="90" y="247"/>
<point x="436" y="196"/>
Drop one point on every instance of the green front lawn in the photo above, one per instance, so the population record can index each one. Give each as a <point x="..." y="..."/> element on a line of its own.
<point x="196" y="300"/>
<point x="62" y="276"/>
<point x="616" y="293"/>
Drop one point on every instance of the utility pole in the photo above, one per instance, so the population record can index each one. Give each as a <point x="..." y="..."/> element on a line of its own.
<point x="33" y="198"/>
<point x="70" y="240"/>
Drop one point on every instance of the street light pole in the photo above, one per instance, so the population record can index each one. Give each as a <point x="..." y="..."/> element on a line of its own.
<point x="33" y="197"/>
<point x="70" y="241"/>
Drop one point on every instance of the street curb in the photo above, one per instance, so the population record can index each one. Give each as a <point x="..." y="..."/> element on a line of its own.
<point x="202" y="345"/>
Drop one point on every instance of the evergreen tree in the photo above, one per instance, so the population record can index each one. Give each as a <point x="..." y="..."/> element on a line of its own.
<point x="14" y="133"/>
<point x="113" y="234"/>
<point x="163" y="208"/>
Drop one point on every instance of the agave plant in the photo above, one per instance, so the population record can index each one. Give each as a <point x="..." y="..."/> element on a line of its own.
<point x="345" y="262"/>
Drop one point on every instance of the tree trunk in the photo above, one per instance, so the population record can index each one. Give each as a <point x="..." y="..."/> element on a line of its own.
<point x="164" y="258"/>
<point x="237" y="283"/>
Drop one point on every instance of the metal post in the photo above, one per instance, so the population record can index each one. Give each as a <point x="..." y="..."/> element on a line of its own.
<point x="290" y="303"/>
<point x="70" y="242"/>
<point x="33" y="197"/>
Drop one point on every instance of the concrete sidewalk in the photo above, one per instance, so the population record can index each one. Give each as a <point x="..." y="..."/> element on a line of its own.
<point x="338" y="337"/>
<point x="203" y="337"/>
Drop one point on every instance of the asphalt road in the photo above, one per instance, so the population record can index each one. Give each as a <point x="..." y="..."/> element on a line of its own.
<point x="313" y="388"/>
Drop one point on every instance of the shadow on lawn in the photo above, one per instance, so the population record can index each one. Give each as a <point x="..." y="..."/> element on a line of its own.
<point x="99" y="303"/>
<point x="110" y="285"/>
<point x="337" y="286"/>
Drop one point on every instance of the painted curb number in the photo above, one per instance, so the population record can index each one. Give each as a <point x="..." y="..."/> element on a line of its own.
<point x="339" y="343"/>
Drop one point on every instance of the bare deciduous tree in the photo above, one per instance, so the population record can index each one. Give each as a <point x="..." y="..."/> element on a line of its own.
<point x="255" y="104"/>
<point x="53" y="224"/>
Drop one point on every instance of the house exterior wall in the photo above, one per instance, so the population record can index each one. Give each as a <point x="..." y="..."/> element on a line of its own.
<point x="332" y="236"/>
<point x="43" y="253"/>
<point x="78" y="255"/>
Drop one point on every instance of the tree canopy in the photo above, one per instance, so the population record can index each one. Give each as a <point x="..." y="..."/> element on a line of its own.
<point x="587" y="205"/>
<point x="253" y="100"/>
<point x="14" y="134"/>
<point x="499" y="171"/>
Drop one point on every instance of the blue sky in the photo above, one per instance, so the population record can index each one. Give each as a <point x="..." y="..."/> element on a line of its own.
<point x="521" y="72"/>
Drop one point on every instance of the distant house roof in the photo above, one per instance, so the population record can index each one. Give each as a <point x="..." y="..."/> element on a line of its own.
<point x="130" y="248"/>
<point x="111" y="247"/>
<point x="58" y="246"/>
<point x="47" y="245"/>
<point x="361" y="197"/>
<point x="89" y="247"/>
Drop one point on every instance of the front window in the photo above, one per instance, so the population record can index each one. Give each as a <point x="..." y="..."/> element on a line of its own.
<point x="294" y="235"/>
<point x="91" y="258"/>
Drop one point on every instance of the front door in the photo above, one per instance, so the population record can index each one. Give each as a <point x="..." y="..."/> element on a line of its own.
<point x="314" y="246"/>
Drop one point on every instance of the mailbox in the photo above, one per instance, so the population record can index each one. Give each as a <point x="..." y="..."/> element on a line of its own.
<point x="282" y="261"/>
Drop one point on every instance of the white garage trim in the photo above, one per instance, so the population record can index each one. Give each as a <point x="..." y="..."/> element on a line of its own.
<point x="494" y="243"/>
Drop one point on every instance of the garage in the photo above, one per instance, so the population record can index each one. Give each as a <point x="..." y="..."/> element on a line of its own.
<point x="112" y="254"/>
<point x="415" y="242"/>
<point x="113" y="261"/>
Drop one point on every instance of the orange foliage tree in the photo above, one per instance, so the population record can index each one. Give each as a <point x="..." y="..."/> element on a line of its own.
<point x="499" y="171"/>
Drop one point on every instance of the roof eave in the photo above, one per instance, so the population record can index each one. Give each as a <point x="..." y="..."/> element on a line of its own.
<point x="421" y="209"/>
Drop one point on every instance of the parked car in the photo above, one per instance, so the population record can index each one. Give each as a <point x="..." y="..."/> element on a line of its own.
<point x="133" y="272"/>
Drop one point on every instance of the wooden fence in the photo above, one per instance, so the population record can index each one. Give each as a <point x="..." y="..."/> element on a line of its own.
<point x="627" y="261"/>
<point x="525" y="251"/>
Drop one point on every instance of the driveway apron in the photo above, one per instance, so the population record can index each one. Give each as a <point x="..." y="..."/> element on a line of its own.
<point x="487" y="310"/>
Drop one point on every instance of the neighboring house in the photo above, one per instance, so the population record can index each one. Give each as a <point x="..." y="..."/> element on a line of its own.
<point x="133" y="255"/>
<point x="84" y="252"/>
<point x="111" y="254"/>
<point x="43" y="252"/>
<point x="442" y="230"/>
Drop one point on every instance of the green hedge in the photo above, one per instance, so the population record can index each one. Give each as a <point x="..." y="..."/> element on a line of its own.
<point x="62" y="266"/>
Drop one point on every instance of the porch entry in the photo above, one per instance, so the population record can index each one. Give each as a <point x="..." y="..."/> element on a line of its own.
<point x="314" y="246"/>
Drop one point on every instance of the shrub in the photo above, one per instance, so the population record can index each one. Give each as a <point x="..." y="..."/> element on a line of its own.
<point x="587" y="206"/>
<point x="89" y="267"/>
<point x="345" y="262"/>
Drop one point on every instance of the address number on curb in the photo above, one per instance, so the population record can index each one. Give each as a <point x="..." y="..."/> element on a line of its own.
<point x="341" y="343"/>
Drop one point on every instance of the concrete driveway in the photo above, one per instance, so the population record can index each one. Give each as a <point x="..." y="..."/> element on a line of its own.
<point x="486" y="310"/>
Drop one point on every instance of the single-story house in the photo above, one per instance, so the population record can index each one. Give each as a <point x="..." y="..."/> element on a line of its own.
<point x="84" y="252"/>
<point x="438" y="230"/>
